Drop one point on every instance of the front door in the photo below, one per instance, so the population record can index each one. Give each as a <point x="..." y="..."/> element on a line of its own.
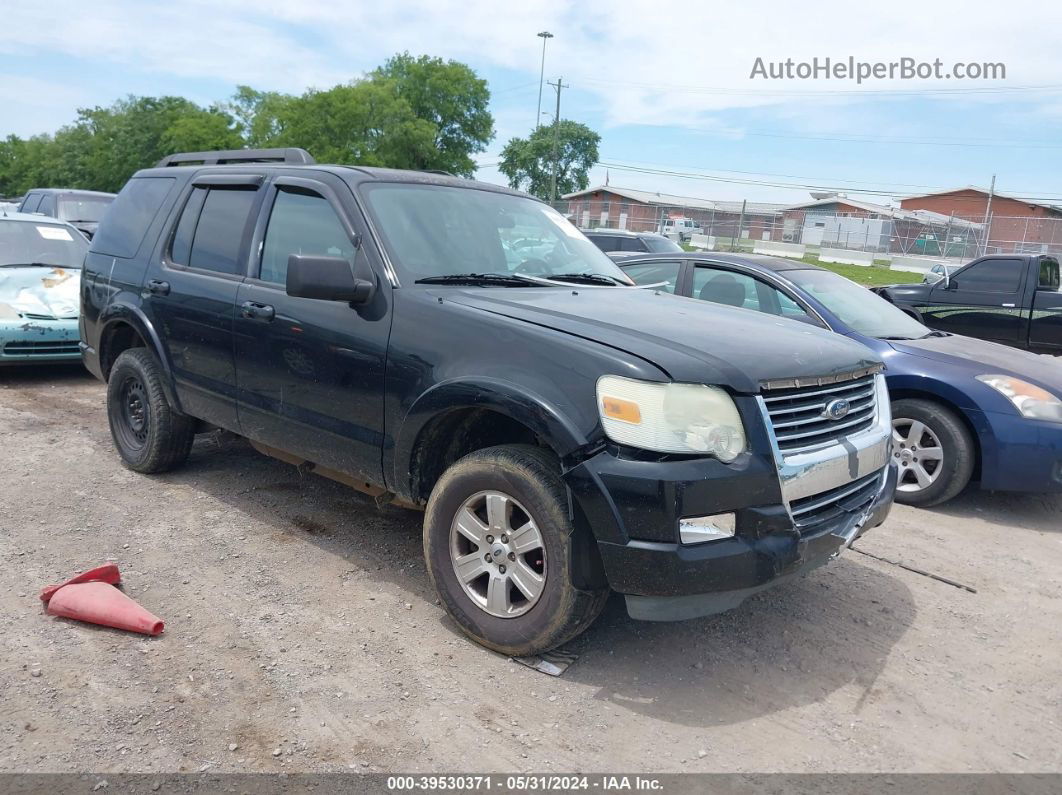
<point x="982" y="300"/>
<point x="310" y="373"/>
<point x="190" y="292"/>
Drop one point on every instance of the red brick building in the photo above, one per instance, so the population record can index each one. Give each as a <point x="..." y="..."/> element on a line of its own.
<point x="1017" y="225"/>
<point x="645" y="211"/>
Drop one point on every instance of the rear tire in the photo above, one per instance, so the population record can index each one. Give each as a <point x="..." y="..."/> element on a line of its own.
<point x="521" y="601"/>
<point x="933" y="450"/>
<point x="149" y="435"/>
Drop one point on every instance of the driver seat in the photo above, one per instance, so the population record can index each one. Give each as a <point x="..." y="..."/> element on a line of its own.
<point x="723" y="289"/>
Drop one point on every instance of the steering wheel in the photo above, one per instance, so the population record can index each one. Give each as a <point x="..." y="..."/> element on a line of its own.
<point x="534" y="267"/>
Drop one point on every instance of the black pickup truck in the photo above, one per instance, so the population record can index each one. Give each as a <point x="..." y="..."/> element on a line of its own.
<point x="1009" y="298"/>
<point x="462" y="348"/>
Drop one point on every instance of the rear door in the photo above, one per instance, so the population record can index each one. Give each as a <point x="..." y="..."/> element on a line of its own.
<point x="311" y="372"/>
<point x="984" y="300"/>
<point x="190" y="290"/>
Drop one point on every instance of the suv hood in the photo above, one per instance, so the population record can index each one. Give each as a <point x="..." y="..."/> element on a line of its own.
<point x="692" y="341"/>
<point x="981" y="357"/>
<point x="47" y="292"/>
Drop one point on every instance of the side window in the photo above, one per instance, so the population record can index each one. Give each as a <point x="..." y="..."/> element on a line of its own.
<point x="219" y="232"/>
<point x="47" y="205"/>
<point x="631" y="244"/>
<point x="604" y="242"/>
<point x="129" y="216"/>
<point x="30" y="203"/>
<point x="1049" y="276"/>
<point x="725" y="287"/>
<point x="301" y="222"/>
<point x="656" y="272"/>
<point x="787" y="307"/>
<point x="992" y="276"/>
<point x="181" y="249"/>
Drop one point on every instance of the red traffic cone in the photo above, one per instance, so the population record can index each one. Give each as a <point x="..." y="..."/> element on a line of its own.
<point x="108" y="572"/>
<point x="101" y="603"/>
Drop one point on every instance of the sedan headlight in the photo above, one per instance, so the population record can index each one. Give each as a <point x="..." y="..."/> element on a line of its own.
<point x="1029" y="399"/>
<point x="670" y="418"/>
<point x="8" y="312"/>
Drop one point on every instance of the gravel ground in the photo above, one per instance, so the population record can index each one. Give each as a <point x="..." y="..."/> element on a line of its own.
<point x="302" y="635"/>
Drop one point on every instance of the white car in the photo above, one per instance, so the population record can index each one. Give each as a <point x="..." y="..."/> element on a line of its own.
<point x="938" y="272"/>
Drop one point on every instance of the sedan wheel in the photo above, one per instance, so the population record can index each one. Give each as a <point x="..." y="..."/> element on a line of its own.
<point x="918" y="455"/>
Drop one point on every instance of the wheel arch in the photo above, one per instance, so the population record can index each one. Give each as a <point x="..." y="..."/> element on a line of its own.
<point x="125" y="327"/>
<point x="457" y="417"/>
<point x="950" y="402"/>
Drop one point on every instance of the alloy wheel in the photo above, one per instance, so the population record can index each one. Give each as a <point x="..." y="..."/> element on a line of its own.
<point x="498" y="554"/>
<point x="918" y="454"/>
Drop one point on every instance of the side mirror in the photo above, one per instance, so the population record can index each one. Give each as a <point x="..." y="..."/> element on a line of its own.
<point x="330" y="278"/>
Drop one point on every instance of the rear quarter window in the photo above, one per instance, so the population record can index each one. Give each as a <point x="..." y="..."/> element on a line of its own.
<point x="128" y="218"/>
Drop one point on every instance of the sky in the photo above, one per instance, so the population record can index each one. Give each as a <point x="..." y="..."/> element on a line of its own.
<point x="669" y="88"/>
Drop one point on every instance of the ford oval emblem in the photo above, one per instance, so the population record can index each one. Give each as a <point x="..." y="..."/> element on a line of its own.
<point x="836" y="409"/>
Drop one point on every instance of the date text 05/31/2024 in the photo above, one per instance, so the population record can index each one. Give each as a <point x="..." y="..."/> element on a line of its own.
<point x="523" y="783"/>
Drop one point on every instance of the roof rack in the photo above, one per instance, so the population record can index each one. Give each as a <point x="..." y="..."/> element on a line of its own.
<point x="220" y="157"/>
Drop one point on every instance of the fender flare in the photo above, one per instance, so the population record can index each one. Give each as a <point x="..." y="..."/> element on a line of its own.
<point x="122" y="312"/>
<point x="553" y="426"/>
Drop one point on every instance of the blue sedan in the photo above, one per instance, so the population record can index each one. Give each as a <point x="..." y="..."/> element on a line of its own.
<point x="40" y="279"/>
<point x="963" y="409"/>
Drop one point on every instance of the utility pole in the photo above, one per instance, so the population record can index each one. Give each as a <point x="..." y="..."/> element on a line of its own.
<point x="541" y="76"/>
<point x="988" y="216"/>
<point x="556" y="138"/>
<point x="741" y="223"/>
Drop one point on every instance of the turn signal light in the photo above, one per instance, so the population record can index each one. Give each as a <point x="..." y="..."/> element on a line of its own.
<point x="620" y="409"/>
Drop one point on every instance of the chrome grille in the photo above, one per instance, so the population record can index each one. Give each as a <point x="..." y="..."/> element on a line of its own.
<point x="811" y="514"/>
<point x="798" y="413"/>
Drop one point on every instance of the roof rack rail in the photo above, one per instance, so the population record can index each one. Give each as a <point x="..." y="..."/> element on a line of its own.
<point x="220" y="157"/>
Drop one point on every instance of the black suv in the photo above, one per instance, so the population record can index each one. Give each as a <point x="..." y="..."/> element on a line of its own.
<point x="82" y="209"/>
<point x="462" y="348"/>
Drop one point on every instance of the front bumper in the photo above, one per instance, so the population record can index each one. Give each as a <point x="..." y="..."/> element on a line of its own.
<point x="26" y="341"/>
<point x="794" y="511"/>
<point x="1019" y="454"/>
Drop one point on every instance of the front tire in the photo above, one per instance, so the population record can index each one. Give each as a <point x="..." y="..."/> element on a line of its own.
<point x="933" y="450"/>
<point x="497" y="539"/>
<point x="149" y="435"/>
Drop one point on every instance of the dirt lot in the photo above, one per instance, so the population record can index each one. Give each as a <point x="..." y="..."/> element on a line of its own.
<point x="302" y="635"/>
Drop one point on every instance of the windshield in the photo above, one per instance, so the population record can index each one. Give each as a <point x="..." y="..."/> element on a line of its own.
<point x="661" y="245"/>
<point x="84" y="208"/>
<point x="437" y="230"/>
<point x="23" y="243"/>
<point x="857" y="307"/>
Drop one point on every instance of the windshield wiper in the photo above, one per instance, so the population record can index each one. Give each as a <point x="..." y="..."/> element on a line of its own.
<point x="586" y="278"/>
<point x="907" y="339"/>
<point x="32" y="265"/>
<point x="935" y="334"/>
<point x="498" y="279"/>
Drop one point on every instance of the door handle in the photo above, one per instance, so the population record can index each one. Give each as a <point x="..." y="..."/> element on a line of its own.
<point x="156" y="287"/>
<point x="1008" y="305"/>
<point x="256" y="311"/>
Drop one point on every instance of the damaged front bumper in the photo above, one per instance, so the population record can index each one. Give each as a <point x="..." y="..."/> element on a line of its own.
<point x="39" y="341"/>
<point x="793" y="512"/>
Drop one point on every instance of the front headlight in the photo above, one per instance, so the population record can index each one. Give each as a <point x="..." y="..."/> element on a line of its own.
<point x="1032" y="401"/>
<point x="670" y="418"/>
<point x="7" y="312"/>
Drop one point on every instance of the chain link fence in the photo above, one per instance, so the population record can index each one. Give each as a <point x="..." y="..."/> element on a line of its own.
<point x="877" y="237"/>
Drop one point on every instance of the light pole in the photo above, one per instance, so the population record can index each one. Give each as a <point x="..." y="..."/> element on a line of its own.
<point x="542" y="75"/>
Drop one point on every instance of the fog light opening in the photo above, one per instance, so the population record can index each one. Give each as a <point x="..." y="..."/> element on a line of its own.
<point x="699" y="529"/>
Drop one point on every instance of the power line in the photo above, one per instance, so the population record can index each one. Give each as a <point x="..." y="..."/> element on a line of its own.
<point x="718" y="90"/>
<point x="791" y="185"/>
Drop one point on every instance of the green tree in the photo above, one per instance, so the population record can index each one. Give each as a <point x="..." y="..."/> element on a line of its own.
<point x="450" y="96"/>
<point x="364" y="123"/>
<point x="528" y="162"/>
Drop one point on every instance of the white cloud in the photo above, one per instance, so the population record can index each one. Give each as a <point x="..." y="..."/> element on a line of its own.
<point x="645" y="63"/>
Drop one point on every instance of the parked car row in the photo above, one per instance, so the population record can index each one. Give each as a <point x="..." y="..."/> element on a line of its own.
<point x="82" y="209"/>
<point x="683" y="429"/>
<point x="962" y="408"/>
